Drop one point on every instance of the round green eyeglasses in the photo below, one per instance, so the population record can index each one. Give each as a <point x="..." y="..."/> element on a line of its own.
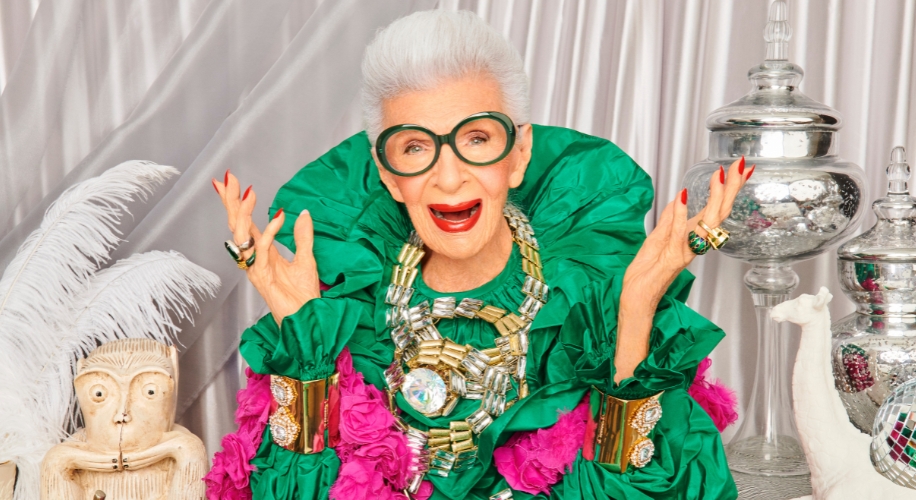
<point x="480" y="139"/>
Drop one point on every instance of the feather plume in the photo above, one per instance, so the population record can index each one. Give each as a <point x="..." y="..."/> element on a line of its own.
<point x="37" y="292"/>
<point x="76" y="236"/>
<point x="136" y="297"/>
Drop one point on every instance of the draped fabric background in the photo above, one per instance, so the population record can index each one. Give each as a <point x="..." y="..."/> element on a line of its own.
<point x="264" y="87"/>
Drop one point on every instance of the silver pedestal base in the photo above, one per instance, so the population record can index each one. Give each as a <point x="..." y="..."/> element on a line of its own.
<point x="754" y="455"/>
<point x="771" y="488"/>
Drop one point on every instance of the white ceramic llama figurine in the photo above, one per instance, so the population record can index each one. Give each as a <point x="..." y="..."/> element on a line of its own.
<point x="837" y="452"/>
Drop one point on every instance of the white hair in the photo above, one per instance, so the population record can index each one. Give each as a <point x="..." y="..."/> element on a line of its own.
<point x="419" y="51"/>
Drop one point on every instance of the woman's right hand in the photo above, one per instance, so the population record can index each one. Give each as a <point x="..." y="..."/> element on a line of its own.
<point x="285" y="285"/>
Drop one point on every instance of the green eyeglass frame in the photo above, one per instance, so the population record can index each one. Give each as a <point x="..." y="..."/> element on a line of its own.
<point x="445" y="139"/>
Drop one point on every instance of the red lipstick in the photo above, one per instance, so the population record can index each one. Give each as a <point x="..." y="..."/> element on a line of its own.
<point x="456" y="218"/>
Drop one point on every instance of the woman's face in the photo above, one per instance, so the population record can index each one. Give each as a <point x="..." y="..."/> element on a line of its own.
<point x="456" y="208"/>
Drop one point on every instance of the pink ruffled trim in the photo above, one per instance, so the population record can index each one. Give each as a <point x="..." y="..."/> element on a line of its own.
<point x="228" y="478"/>
<point x="374" y="457"/>
<point x="716" y="398"/>
<point x="373" y="452"/>
<point x="533" y="461"/>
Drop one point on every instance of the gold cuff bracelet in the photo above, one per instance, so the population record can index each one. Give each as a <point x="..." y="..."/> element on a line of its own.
<point x="622" y="430"/>
<point x="305" y="414"/>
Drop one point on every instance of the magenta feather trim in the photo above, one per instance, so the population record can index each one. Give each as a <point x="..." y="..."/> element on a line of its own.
<point x="228" y="478"/>
<point x="533" y="461"/>
<point x="373" y="452"/>
<point x="716" y="398"/>
<point x="371" y="449"/>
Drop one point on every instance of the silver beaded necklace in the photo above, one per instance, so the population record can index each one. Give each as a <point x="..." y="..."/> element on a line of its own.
<point x="441" y="371"/>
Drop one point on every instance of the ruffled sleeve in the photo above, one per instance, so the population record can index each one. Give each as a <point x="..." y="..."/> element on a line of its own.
<point x="680" y="339"/>
<point x="587" y="201"/>
<point x="306" y="344"/>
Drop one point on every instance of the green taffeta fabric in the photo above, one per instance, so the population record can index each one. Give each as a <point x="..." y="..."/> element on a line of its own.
<point x="586" y="200"/>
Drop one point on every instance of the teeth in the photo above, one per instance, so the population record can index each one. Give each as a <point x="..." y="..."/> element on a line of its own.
<point x="473" y="210"/>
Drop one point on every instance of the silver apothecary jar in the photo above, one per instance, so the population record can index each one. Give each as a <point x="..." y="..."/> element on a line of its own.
<point x="874" y="348"/>
<point x="801" y="200"/>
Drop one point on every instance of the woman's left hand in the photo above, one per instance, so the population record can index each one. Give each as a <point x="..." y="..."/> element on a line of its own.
<point x="663" y="255"/>
<point x="666" y="252"/>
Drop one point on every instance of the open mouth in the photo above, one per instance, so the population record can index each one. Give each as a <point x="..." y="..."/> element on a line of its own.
<point x="456" y="218"/>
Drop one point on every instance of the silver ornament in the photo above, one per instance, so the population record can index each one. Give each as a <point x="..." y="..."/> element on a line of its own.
<point x="893" y="446"/>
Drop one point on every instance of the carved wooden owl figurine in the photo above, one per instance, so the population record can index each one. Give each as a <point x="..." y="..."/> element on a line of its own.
<point x="130" y="448"/>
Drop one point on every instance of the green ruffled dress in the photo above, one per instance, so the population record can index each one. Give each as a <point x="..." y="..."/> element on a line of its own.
<point x="586" y="200"/>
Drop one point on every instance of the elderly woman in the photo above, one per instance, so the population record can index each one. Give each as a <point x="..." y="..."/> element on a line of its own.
<point x="496" y="322"/>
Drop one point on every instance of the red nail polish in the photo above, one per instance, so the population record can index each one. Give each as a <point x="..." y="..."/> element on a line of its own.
<point x="278" y="213"/>
<point x="226" y="178"/>
<point x="214" y="185"/>
<point x="741" y="166"/>
<point x="246" y="193"/>
<point x="684" y="196"/>
<point x="751" y="171"/>
<point x="721" y="175"/>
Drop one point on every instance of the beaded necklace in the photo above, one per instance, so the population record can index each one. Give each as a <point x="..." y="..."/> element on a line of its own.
<point x="442" y="371"/>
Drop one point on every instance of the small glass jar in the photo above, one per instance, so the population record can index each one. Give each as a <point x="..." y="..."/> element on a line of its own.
<point x="874" y="348"/>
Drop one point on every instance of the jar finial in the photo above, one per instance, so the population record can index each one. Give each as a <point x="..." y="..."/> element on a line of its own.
<point x="898" y="172"/>
<point x="778" y="32"/>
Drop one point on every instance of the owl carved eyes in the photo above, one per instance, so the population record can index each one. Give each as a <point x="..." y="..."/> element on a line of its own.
<point x="98" y="393"/>
<point x="150" y="390"/>
<point x="105" y="389"/>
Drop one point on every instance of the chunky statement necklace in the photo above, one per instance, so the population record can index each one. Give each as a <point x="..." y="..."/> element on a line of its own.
<point x="433" y="373"/>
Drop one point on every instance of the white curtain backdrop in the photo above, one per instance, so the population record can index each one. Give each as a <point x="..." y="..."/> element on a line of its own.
<point x="264" y="87"/>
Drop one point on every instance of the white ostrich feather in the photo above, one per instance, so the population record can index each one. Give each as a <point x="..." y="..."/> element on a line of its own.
<point x="37" y="291"/>
<point x="136" y="297"/>
<point x="76" y="236"/>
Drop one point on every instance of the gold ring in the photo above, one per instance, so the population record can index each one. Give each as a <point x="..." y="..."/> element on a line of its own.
<point x="717" y="237"/>
<point x="244" y="263"/>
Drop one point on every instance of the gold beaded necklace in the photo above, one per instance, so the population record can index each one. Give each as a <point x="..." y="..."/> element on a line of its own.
<point x="442" y="371"/>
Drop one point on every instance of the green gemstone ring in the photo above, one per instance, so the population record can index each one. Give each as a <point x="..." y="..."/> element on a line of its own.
<point x="698" y="245"/>
<point x="236" y="254"/>
<point x="245" y="264"/>
<point x="233" y="250"/>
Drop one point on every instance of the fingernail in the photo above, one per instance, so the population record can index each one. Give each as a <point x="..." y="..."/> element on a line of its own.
<point x="278" y="213"/>
<point x="721" y="175"/>
<point x="751" y="171"/>
<point x="226" y="179"/>
<point x="214" y="185"/>
<point x="246" y="193"/>
<point x="684" y="196"/>
<point x="741" y="166"/>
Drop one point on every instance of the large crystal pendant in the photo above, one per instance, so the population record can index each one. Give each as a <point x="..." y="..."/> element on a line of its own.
<point x="424" y="390"/>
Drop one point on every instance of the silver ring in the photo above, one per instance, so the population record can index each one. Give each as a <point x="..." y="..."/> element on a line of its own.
<point x="233" y="250"/>
<point x="248" y="244"/>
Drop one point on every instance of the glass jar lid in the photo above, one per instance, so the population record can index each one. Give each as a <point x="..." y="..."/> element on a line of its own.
<point x="774" y="120"/>
<point x="893" y="238"/>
